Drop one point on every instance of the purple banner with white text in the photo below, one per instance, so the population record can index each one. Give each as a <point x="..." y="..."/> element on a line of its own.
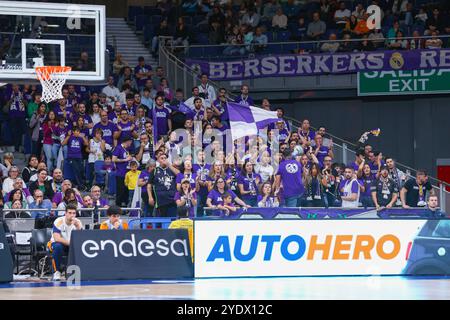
<point x="322" y="63"/>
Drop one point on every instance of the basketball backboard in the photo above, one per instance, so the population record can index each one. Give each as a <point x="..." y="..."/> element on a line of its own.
<point x="36" y="34"/>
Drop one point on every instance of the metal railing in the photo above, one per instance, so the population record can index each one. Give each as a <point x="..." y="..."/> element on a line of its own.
<point x="183" y="76"/>
<point x="95" y="216"/>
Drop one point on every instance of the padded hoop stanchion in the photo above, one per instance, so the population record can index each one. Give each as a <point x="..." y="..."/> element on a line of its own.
<point x="52" y="79"/>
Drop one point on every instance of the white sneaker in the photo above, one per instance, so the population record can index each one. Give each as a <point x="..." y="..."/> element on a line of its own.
<point x="56" y="276"/>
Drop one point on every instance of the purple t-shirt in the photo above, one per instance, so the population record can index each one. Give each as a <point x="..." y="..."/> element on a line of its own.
<point x="323" y="152"/>
<point x="367" y="183"/>
<point x="145" y="175"/>
<point x="248" y="182"/>
<point x="191" y="177"/>
<point x="60" y="113"/>
<point x="283" y="134"/>
<point x="216" y="197"/>
<point x="291" y="178"/>
<point x="273" y="125"/>
<point x="198" y="115"/>
<point x="308" y="135"/>
<point x="354" y="188"/>
<point x="190" y="205"/>
<point x="222" y="107"/>
<point x="138" y="69"/>
<point x="354" y="165"/>
<point x="202" y="172"/>
<point x="248" y="101"/>
<point x="126" y="129"/>
<point x="162" y="117"/>
<point x="87" y="118"/>
<point x="17" y="108"/>
<point x="269" y="201"/>
<point x="108" y="131"/>
<point x="131" y="111"/>
<point x="74" y="148"/>
<point x="60" y="132"/>
<point x="58" y="197"/>
<point x="374" y="167"/>
<point x="102" y="203"/>
<point x="121" y="154"/>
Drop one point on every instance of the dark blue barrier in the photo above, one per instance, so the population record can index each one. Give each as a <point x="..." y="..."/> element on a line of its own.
<point x="321" y="213"/>
<point x="6" y="264"/>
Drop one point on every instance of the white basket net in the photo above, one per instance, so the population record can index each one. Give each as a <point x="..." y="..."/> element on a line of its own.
<point x="52" y="79"/>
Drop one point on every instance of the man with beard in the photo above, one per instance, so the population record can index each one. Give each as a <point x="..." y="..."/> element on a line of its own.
<point x="384" y="190"/>
<point x="349" y="189"/>
<point x="162" y="182"/>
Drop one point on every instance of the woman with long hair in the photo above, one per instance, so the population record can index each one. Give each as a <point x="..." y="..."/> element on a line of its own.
<point x="248" y="183"/>
<point x="217" y="171"/>
<point x="186" y="197"/>
<point x="36" y="125"/>
<point x="31" y="168"/>
<point x="48" y="128"/>
<point x="16" y="201"/>
<point x="186" y="173"/>
<point x="365" y="179"/>
<point x="314" y="187"/>
<point x="70" y="197"/>
<point x="164" y="87"/>
<point x="95" y="114"/>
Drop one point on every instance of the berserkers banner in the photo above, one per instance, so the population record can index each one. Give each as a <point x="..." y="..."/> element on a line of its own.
<point x="317" y="64"/>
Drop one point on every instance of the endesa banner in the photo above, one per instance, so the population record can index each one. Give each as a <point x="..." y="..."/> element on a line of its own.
<point x="247" y="248"/>
<point x="6" y="263"/>
<point x="131" y="254"/>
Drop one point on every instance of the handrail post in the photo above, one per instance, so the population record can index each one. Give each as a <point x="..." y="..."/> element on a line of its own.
<point x="442" y="197"/>
<point x="344" y="153"/>
<point x="184" y="79"/>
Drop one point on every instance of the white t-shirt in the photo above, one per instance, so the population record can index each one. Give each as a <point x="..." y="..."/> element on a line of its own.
<point x="60" y="226"/>
<point x="347" y="192"/>
<point x="96" y="153"/>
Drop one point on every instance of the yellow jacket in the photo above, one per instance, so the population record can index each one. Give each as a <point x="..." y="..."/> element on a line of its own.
<point x="131" y="179"/>
<point x="185" y="223"/>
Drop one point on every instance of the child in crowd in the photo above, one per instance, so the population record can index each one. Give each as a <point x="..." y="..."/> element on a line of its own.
<point x="228" y="204"/>
<point x="131" y="179"/>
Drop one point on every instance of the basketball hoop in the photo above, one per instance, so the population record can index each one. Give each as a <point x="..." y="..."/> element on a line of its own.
<point x="52" y="79"/>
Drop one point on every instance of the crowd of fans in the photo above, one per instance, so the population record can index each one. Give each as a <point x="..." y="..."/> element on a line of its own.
<point x="251" y="26"/>
<point x="142" y="141"/>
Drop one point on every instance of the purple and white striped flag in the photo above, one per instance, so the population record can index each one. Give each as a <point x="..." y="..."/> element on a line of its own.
<point x="246" y="121"/>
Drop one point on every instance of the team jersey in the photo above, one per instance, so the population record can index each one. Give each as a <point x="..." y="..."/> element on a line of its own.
<point x="65" y="230"/>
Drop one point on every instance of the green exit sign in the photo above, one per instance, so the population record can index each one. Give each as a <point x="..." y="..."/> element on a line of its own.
<point x="377" y="83"/>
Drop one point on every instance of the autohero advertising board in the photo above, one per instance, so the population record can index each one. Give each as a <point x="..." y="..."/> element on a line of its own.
<point x="248" y="248"/>
<point x="131" y="254"/>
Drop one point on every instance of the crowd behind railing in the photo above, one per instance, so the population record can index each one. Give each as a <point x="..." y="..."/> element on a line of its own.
<point x="252" y="26"/>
